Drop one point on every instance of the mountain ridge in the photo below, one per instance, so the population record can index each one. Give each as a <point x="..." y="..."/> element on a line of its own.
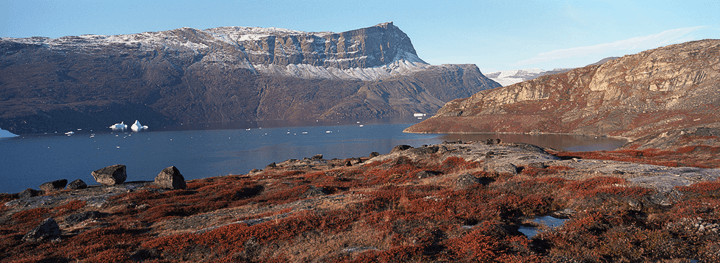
<point x="229" y="74"/>
<point x="645" y="94"/>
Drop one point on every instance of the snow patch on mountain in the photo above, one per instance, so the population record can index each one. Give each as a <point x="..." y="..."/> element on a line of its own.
<point x="225" y="46"/>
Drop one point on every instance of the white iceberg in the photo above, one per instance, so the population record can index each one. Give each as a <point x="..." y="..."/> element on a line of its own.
<point x="4" y="133"/>
<point x="137" y="126"/>
<point x="119" y="126"/>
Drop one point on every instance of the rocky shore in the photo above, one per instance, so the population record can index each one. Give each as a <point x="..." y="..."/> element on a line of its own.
<point x="455" y="201"/>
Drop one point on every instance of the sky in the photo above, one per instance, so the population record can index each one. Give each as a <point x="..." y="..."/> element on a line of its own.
<point x="494" y="35"/>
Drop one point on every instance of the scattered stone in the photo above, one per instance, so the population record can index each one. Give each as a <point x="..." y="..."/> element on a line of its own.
<point x="531" y="148"/>
<point x="356" y="160"/>
<point x="400" y="148"/>
<point x="170" y="178"/>
<point x="348" y="163"/>
<point x="47" y="230"/>
<point x="635" y="205"/>
<point x="374" y="154"/>
<point x="77" y="218"/>
<point x="313" y="192"/>
<point x="255" y="171"/>
<point x="491" y="141"/>
<point x="501" y="168"/>
<point x="111" y="175"/>
<point x="426" y="150"/>
<point x="271" y="165"/>
<point x="77" y="184"/>
<point x="54" y="185"/>
<point x="443" y="149"/>
<point x="539" y="165"/>
<point x="426" y="174"/>
<point x="317" y="157"/>
<point x="466" y="180"/>
<point x="27" y="193"/>
<point x="489" y="154"/>
<point x="706" y="131"/>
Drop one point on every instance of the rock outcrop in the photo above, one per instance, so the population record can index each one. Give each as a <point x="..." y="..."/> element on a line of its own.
<point x="651" y="92"/>
<point x="221" y="75"/>
<point x="111" y="175"/>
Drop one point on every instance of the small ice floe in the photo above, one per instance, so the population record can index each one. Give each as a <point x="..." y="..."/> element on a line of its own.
<point x="138" y="127"/>
<point x="328" y="131"/>
<point x="361" y="125"/>
<point x="119" y="126"/>
<point x="304" y="132"/>
<point x="247" y="129"/>
<point x="92" y="135"/>
<point x="69" y="133"/>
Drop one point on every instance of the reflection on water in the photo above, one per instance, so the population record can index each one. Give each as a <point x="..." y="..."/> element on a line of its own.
<point x="28" y="161"/>
<point x="547" y="221"/>
<point x="554" y="141"/>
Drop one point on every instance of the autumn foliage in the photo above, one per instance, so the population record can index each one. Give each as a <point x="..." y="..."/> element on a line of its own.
<point x="380" y="212"/>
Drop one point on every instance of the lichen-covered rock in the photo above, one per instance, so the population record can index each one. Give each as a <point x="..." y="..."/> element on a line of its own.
<point x="466" y="180"/>
<point x="77" y="184"/>
<point x="47" y="230"/>
<point x="54" y="185"/>
<point x="170" y="178"/>
<point x="111" y="175"/>
<point x="27" y="193"/>
<point x="501" y="168"/>
<point x="80" y="217"/>
<point x="400" y="148"/>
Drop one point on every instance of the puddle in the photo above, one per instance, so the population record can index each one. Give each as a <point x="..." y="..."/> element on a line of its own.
<point x="547" y="221"/>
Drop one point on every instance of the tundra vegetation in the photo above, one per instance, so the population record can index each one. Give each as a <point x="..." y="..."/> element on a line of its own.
<point x="409" y="205"/>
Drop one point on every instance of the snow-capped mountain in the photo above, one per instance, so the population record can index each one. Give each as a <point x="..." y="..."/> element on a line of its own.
<point x="225" y="74"/>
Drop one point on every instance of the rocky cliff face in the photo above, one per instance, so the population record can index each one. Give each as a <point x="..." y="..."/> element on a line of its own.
<point x="652" y="92"/>
<point x="227" y="74"/>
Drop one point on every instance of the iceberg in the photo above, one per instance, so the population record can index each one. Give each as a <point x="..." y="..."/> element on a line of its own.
<point x="4" y="133"/>
<point x="137" y="126"/>
<point x="119" y="126"/>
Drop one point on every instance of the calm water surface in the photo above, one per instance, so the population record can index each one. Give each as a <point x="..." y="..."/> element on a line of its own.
<point x="28" y="161"/>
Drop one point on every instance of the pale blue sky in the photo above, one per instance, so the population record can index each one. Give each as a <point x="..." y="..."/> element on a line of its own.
<point x="495" y="35"/>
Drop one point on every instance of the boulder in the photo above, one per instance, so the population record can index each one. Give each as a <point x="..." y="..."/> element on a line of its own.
<point x="374" y="154"/>
<point x="47" y="230"/>
<point x="111" y="175"/>
<point x="501" y="168"/>
<point x="318" y="156"/>
<point x="170" y="178"/>
<point x="77" y="218"/>
<point x="54" y="185"/>
<point x="426" y="174"/>
<point x="77" y="184"/>
<point x="466" y="180"/>
<point x="400" y="148"/>
<point x="314" y="192"/>
<point x="27" y="193"/>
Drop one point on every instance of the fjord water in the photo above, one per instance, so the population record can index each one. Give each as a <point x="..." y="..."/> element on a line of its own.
<point x="28" y="161"/>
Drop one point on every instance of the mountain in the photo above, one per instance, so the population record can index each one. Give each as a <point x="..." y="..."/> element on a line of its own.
<point x="646" y="94"/>
<point x="221" y="75"/>
<point x="510" y="77"/>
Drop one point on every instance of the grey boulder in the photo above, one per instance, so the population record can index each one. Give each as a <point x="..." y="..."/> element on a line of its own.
<point x="170" y="178"/>
<point x="111" y="175"/>
<point x="54" y="185"/>
<point x="47" y="230"/>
